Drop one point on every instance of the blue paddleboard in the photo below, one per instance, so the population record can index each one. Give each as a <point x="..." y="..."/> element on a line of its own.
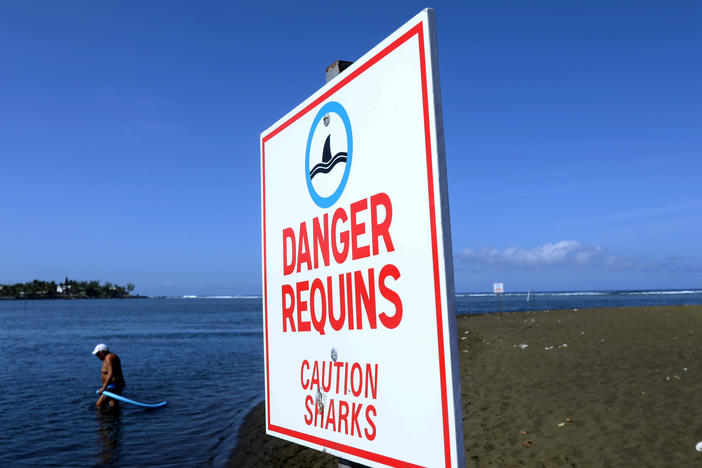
<point x="127" y="400"/>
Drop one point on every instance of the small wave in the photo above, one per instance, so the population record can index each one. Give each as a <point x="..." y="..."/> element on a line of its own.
<point x="659" y="293"/>
<point x="514" y="294"/>
<point x="217" y="297"/>
<point x="578" y="293"/>
<point x="524" y="294"/>
<point x="184" y="334"/>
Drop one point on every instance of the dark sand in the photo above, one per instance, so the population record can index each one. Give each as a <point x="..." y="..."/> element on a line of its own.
<point x="629" y="379"/>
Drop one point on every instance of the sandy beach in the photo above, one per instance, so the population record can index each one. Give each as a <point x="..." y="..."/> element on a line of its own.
<point x="593" y="387"/>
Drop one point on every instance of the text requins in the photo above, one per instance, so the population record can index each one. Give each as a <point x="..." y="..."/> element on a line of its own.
<point x="340" y="237"/>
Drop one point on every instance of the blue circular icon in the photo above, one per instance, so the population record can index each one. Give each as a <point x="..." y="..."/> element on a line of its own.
<point x="326" y="202"/>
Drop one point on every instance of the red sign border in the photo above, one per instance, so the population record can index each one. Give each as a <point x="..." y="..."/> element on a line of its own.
<point x="418" y="30"/>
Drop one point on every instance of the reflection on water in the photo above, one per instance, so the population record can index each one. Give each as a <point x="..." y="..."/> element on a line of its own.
<point x="110" y="435"/>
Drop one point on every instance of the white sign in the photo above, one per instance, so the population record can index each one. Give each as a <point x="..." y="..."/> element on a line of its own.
<point x="359" y="320"/>
<point x="498" y="288"/>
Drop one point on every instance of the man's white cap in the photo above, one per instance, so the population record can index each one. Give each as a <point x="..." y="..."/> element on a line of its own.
<point x="100" y="347"/>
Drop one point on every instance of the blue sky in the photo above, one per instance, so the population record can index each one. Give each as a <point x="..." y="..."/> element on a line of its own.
<point x="129" y="137"/>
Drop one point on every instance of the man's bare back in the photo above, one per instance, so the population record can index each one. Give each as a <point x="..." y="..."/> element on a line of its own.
<point x="112" y="365"/>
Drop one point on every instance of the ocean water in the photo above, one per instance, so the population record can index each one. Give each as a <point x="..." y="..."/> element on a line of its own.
<point x="202" y="355"/>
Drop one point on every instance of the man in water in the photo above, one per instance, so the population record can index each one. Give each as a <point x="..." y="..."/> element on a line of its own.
<point x="112" y="378"/>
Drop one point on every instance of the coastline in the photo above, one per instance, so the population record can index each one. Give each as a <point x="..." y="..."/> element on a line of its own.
<point x="66" y="298"/>
<point x="592" y="387"/>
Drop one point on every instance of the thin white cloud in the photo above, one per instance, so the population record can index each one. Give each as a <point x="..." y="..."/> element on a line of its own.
<point x="680" y="210"/>
<point x="525" y="194"/>
<point x="564" y="254"/>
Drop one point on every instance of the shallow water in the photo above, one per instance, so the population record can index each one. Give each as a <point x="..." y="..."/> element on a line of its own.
<point x="204" y="356"/>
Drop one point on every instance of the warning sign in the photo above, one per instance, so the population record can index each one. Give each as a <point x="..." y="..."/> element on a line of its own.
<point x="359" y="320"/>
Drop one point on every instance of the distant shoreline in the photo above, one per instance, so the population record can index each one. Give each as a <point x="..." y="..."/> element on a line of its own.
<point x="69" y="298"/>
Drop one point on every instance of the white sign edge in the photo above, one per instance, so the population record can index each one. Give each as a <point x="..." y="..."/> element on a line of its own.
<point x="457" y="449"/>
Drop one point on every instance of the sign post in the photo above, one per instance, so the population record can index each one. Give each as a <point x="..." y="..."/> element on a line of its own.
<point x="359" y="318"/>
<point x="499" y="289"/>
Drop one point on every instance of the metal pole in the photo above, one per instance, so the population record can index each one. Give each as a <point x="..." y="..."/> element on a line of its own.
<point x="337" y="68"/>
<point x="343" y="463"/>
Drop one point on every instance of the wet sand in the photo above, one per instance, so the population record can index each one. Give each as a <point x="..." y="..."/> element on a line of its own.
<point x="593" y="387"/>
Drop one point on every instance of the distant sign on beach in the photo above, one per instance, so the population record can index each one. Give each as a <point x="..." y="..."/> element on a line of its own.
<point x="359" y="321"/>
<point x="498" y="288"/>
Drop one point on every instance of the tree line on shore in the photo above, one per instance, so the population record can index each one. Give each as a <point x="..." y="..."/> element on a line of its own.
<point x="69" y="289"/>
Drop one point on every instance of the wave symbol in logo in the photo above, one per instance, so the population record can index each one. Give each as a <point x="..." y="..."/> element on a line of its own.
<point x="328" y="161"/>
<point x="329" y="154"/>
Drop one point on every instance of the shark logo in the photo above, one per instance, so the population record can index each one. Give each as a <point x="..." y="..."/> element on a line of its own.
<point x="328" y="161"/>
<point x="328" y="155"/>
